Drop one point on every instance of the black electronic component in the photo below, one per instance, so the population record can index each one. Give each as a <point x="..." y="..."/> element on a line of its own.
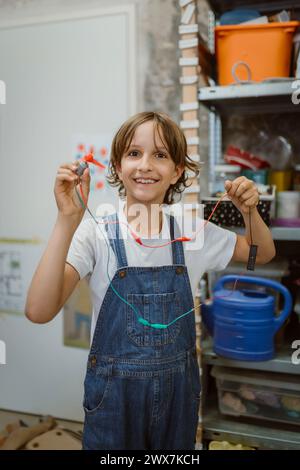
<point x="252" y="258"/>
<point x="82" y="166"/>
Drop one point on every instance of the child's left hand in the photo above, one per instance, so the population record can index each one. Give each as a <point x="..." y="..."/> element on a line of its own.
<point x="243" y="193"/>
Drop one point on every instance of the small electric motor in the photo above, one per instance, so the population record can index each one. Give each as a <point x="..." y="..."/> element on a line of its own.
<point x="82" y="166"/>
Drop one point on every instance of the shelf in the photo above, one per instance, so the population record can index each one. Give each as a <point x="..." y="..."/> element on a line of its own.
<point x="271" y="97"/>
<point x="278" y="233"/>
<point x="281" y="363"/>
<point x="220" y="6"/>
<point x="263" y="436"/>
<point x="285" y="233"/>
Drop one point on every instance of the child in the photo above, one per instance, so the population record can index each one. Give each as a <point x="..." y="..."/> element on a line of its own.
<point x="142" y="383"/>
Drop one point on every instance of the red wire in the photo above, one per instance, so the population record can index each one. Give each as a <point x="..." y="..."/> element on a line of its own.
<point x="138" y="239"/>
<point x="90" y="159"/>
<point x="183" y="239"/>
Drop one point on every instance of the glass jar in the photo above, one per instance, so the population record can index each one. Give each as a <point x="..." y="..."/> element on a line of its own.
<point x="223" y="173"/>
<point x="288" y="204"/>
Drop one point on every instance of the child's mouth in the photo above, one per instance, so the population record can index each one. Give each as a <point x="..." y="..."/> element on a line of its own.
<point x="145" y="180"/>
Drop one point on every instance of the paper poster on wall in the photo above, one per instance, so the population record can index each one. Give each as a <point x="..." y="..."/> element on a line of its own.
<point x="18" y="261"/>
<point x="77" y="317"/>
<point x="99" y="145"/>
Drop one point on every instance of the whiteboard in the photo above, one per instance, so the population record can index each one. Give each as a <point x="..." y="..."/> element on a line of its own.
<point x="64" y="77"/>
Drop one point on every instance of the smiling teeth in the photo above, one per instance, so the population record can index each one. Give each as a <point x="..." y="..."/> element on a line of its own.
<point x="145" y="181"/>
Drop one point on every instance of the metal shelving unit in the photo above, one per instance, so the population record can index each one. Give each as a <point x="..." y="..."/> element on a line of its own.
<point x="247" y="98"/>
<point x="286" y="233"/>
<point x="281" y="363"/>
<point x="256" y="98"/>
<point x="220" y="6"/>
<point x="238" y="431"/>
<point x="257" y="433"/>
<point x="278" y="233"/>
<point x="266" y="97"/>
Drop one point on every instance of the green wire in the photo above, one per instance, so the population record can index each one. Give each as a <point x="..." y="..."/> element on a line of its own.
<point x="140" y="319"/>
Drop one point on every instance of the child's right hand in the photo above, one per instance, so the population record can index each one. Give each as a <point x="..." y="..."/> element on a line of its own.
<point x="66" y="198"/>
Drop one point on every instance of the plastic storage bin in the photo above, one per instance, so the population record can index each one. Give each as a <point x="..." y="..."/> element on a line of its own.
<point x="254" y="52"/>
<point x="260" y="395"/>
<point x="226" y="214"/>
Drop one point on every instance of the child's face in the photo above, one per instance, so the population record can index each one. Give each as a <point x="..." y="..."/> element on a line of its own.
<point x="147" y="169"/>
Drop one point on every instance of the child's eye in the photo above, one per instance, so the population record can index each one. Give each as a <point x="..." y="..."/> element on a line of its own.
<point x="133" y="153"/>
<point x="161" y="155"/>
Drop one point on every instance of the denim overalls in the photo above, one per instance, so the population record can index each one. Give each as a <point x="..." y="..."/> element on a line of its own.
<point x="142" y="385"/>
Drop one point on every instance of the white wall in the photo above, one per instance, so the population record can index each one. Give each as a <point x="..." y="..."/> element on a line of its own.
<point x="64" y="75"/>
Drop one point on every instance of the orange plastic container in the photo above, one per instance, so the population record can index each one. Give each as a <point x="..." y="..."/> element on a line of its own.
<point x="254" y="52"/>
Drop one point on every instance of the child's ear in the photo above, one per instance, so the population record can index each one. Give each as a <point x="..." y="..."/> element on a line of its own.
<point x="177" y="174"/>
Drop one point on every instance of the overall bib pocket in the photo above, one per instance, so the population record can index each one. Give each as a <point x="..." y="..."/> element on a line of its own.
<point x="155" y="308"/>
<point x="96" y="389"/>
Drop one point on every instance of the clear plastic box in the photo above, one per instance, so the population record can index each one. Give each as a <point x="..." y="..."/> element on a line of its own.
<point x="259" y="395"/>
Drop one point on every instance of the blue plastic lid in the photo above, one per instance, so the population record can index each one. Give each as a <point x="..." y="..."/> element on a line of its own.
<point x="239" y="15"/>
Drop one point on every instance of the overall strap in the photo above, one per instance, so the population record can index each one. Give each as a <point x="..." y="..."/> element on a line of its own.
<point x="177" y="247"/>
<point x="116" y="241"/>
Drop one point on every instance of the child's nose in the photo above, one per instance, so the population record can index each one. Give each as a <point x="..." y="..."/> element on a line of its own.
<point x="144" y="163"/>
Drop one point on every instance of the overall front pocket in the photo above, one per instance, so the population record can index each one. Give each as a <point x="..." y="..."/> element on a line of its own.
<point x="96" y="389"/>
<point x="154" y="308"/>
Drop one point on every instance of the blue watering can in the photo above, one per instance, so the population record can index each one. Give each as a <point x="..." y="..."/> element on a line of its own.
<point x="243" y="322"/>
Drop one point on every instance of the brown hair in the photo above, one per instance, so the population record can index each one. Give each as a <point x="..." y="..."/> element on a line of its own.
<point x="173" y="139"/>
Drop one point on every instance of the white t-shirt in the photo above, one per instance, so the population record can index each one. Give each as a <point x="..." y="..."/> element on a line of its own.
<point x="211" y="250"/>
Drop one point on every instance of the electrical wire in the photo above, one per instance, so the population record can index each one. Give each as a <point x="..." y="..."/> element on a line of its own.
<point x="250" y="228"/>
<point x="140" y="319"/>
